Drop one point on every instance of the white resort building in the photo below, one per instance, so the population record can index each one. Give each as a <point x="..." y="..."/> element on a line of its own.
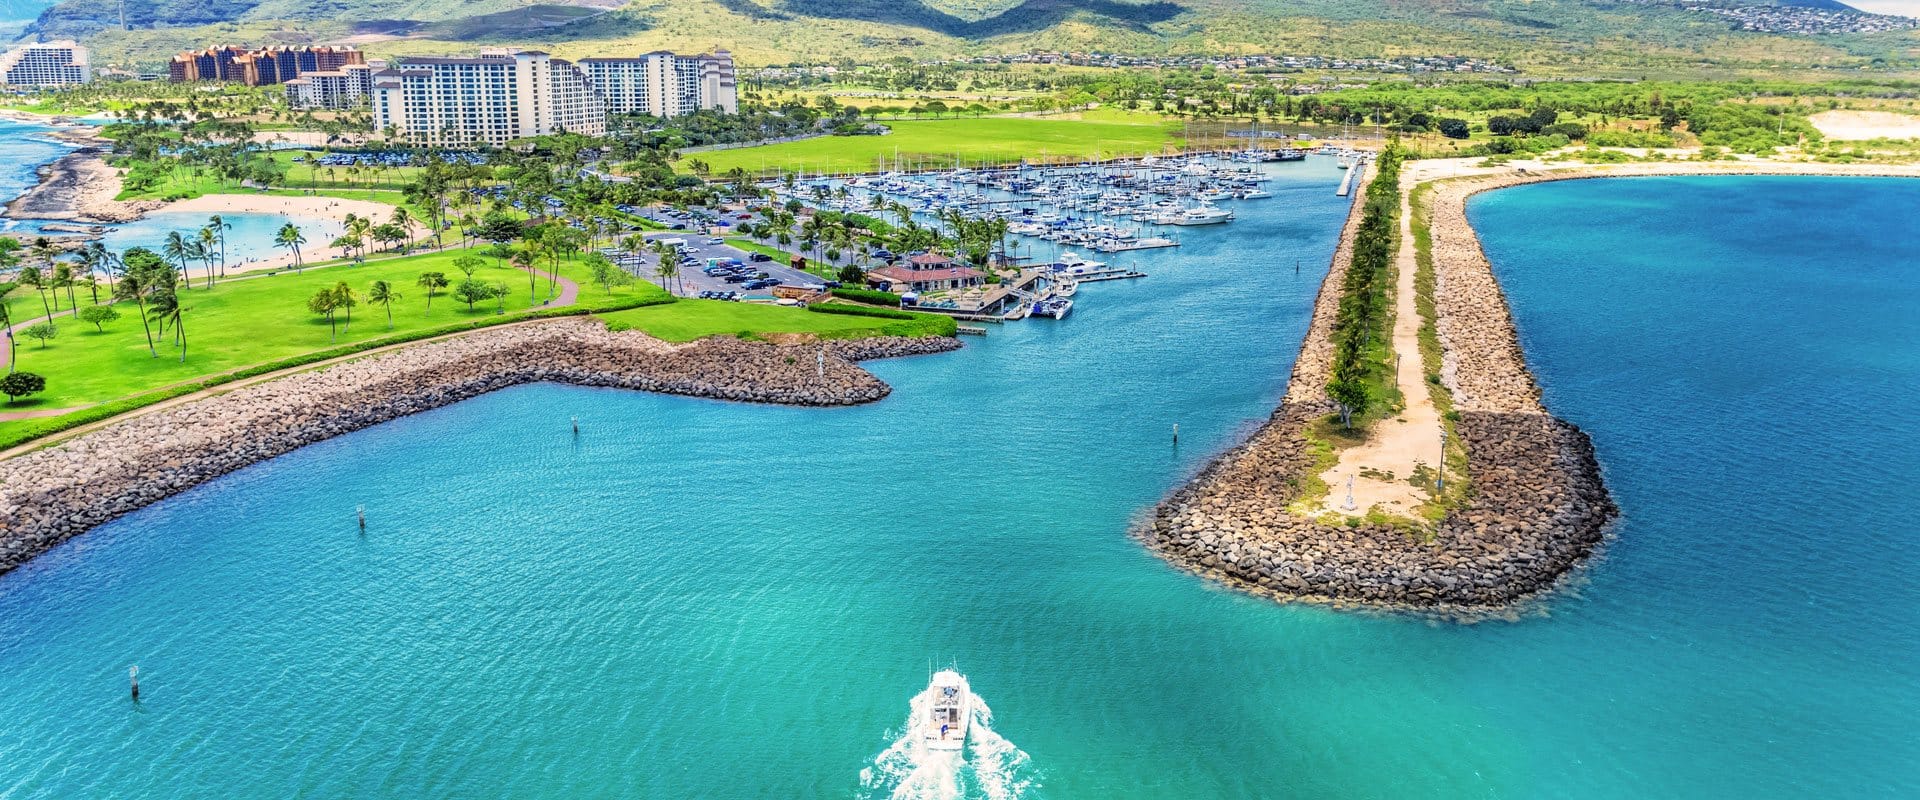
<point x="663" y="84"/>
<point x="350" y="86"/>
<point x="489" y="99"/>
<point x="45" y="64"/>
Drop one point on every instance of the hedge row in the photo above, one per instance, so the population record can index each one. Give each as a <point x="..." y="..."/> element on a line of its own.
<point x="868" y="296"/>
<point x="859" y="311"/>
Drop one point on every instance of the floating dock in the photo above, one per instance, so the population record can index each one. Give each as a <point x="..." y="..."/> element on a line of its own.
<point x="1346" y="182"/>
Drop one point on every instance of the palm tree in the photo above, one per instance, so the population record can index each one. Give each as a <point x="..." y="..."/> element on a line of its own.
<point x="382" y="292"/>
<point x="431" y="281"/>
<point x="176" y="248"/>
<point x="403" y="219"/>
<point x="359" y="229"/>
<point x="523" y="259"/>
<point x="132" y="284"/>
<point x="63" y="279"/>
<point x="30" y="276"/>
<point x="220" y="228"/>
<point x="202" y="250"/>
<point x="343" y="297"/>
<point x="166" y="308"/>
<point x="291" y="238"/>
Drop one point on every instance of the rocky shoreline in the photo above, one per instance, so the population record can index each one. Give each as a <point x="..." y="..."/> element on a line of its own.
<point x="51" y="495"/>
<point x="1539" y="506"/>
<point x="79" y="186"/>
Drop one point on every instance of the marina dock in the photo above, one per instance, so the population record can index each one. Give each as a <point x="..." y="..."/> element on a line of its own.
<point x="1346" y="182"/>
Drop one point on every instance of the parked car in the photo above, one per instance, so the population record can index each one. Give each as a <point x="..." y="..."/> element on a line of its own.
<point x="716" y="240"/>
<point x="737" y="278"/>
<point x="759" y="257"/>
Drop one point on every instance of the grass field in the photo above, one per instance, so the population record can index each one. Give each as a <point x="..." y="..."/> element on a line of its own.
<point x="688" y="320"/>
<point x="971" y="141"/>
<point x="244" y="322"/>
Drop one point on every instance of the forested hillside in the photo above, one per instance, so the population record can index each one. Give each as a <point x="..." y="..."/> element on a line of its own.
<point x="1541" y="36"/>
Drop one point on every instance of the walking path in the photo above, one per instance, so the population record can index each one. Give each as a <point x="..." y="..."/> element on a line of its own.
<point x="1382" y="468"/>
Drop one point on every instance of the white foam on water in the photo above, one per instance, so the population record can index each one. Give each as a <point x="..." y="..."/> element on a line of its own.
<point x="989" y="768"/>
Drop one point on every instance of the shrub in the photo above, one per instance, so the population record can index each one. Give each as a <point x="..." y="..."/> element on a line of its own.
<point x="868" y="296"/>
<point x="859" y="311"/>
<point x="20" y="384"/>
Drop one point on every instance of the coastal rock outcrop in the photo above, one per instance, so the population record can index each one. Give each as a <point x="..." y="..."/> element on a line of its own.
<point x="1539" y="506"/>
<point x="50" y="495"/>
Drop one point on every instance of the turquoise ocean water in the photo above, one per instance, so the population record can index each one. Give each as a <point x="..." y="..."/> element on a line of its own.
<point x="697" y="599"/>
<point x="23" y="148"/>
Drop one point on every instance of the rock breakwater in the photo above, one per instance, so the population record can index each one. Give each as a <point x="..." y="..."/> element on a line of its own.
<point x="50" y="495"/>
<point x="1539" y="506"/>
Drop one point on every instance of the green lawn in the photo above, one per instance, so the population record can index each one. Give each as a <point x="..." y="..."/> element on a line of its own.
<point x="688" y="320"/>
<point x="248" y="321"/>
<point x="940" y="142"/>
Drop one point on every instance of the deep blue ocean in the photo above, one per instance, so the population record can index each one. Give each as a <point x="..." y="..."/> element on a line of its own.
<point x="700" y="599"/>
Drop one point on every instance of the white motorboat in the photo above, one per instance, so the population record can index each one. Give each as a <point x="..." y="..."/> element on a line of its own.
<point x="948" y="710"/>
<point x="1198" y="215"/>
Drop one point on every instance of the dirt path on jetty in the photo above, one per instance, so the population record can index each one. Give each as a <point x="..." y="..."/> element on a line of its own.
<point x="1381" y="469"/>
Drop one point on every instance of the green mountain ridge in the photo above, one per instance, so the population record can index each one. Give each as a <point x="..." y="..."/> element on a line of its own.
<point x="1546" y="35"/>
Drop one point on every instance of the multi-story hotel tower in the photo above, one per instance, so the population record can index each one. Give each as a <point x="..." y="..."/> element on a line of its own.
<point x="489" y="99"/>
<point x="45" y="64"/>
<point x="496" y="97"/>
<point x="663" y="84"/>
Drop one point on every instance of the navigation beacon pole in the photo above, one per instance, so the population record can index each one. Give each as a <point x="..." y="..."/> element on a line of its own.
<point x="1440" y="483"/>
<point x="133" y="678"/>
<point x="1349" y="505"/>
<point x="1176" y="433"/>
<point x="362" y="512"/>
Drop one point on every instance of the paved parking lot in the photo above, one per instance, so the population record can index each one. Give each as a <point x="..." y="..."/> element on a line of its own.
<point x="695" y="281"/>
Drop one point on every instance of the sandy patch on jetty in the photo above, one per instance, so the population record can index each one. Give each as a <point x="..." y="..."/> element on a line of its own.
<point x="1859" y="125"/>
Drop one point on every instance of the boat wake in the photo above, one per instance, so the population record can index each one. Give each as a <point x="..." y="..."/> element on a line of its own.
<point x="989" y="767"/>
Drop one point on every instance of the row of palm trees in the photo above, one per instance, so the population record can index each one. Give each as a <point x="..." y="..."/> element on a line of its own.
<point x="207" y="246"/>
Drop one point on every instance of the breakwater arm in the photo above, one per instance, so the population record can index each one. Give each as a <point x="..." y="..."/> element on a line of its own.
<point x="1539" y="505"/>
<point x="50" y="495"/>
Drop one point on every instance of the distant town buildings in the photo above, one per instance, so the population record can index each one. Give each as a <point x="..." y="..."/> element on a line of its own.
<point x="663" y="84"/>
<point x="263" y="66"/>
<point x="489" y="99"/>
<point x="1794" y="19"/>
<point x="45" y="64"/>
<point x="1406" y="64"/>
<point x="350" y="86"/>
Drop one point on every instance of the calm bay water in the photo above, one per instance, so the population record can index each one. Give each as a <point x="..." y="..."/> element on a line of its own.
<point x="696" y="599"/>
<point x="249" y="239"/>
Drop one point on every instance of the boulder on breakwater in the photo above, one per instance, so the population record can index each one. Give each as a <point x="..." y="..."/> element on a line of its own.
<point x="50" y="495"/>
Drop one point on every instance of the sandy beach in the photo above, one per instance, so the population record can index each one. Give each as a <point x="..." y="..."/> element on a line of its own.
<point x="332" y="208"/>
